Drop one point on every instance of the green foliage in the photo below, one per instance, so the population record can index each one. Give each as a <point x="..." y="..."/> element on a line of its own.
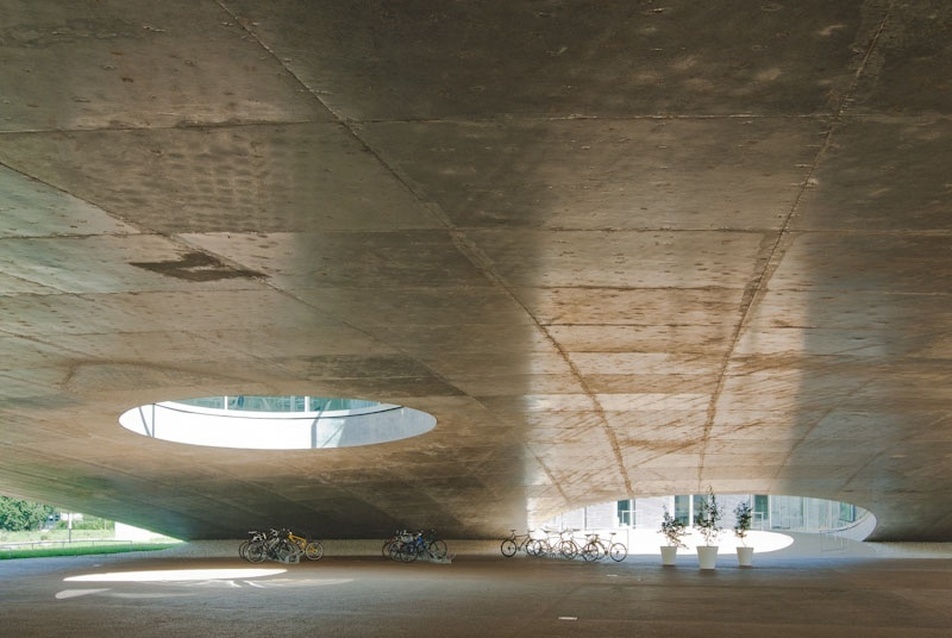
<point x="744" y="517"/>
<point x="88" y="522"/>
<point x="17" y="515"/>
<point x="79" y="549"/>
<point x="708" y="516"/>
<point x="673" y="530"/>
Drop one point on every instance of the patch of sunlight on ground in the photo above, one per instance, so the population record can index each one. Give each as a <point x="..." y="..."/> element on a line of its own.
<point x="166" y="575"/>
<point x="650" y="541"/>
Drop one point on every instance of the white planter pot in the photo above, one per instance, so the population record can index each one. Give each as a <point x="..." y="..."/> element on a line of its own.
<point x="668" y="554"/>
<point x="745" y="556"/>
<point x="707" y="556"/>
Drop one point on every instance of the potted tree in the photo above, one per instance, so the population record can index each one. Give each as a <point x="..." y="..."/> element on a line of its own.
<point x="707" y="519"/>
<point x="744" y="516"/>
<point x="673" y="531"/>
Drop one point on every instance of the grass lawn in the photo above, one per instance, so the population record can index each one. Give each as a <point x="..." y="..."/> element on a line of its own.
<point x="63" y="542"/>
<point x="78" y="548"/>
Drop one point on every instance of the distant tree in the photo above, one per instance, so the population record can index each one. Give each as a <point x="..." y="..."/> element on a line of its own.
<point x="88" y="522"/>
<point x="20" y="516"/>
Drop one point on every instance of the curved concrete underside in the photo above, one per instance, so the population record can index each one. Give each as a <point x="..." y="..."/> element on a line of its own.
<point x="617" y="249"/>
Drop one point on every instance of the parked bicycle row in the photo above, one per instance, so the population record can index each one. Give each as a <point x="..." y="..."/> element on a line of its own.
<point x="280" y="545"/>
<point x="563" y="544"/>
<point x="406" y="546"/>
<point x="287" y="546"/>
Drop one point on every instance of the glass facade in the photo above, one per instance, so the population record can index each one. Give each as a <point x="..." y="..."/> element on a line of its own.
<point x="791" y="513"/>
<point x="625" y="509"/>
<point x="682" y="509"/>
<point x="257" y="403"/>
<point x="276" y="422"/>
<point x="761" y="513"/>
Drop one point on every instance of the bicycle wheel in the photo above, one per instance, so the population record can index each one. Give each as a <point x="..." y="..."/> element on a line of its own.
<point x="409" y="552"/>
<point x="568" y="549"/>
<point x="591" y="552"/>
<point x="255" y="553"/>
<point x="508" y="548"/>
<point x="437" y="549"/>
<point x="393" y="552"/>
<point x="618" y="552"/>
<point x="243" y="548"/>
<point x="314" y="550"/>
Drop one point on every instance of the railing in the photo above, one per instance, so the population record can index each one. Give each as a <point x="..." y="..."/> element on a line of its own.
<point x="858" y="529"/>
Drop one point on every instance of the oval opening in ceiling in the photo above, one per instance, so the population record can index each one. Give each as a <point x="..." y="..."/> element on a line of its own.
<point x="276" y="422"/>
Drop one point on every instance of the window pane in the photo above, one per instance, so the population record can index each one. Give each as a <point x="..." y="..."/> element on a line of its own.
<point x="624" y="513"/>
<point x="682" y="509"/>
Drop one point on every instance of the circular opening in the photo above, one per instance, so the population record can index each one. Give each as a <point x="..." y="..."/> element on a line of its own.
<point x="276" y="422"/>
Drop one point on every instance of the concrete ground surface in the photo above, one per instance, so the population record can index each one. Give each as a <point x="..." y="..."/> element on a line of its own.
<point x="172" y="594"/>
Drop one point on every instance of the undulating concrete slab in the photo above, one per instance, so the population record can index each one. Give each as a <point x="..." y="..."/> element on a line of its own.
<point x="615" y="249"/>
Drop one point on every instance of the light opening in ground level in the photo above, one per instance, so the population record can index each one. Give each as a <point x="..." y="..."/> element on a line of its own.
<point x="276" y="422"/>
<point x="771" y="518"/>
<point x="173" y="575"/>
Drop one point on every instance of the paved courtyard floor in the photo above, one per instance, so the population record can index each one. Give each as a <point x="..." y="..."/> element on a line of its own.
<point x="169" y="595"/>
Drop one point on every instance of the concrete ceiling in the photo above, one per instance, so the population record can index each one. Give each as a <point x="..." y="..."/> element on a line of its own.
<point x="616" y="249"/>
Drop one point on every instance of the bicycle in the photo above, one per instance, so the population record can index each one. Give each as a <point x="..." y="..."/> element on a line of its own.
<point x="435" y="547"/>
<point x="255" y="550"/>
<point x="410" y="547"/>
<point x="255" y="540"/>
<point x="555" y="543"/>
<point x="597" y="549"/>
<point x="514" y="543"/>
<point x="280" y="545"/>
<point x="568" y="548"/>
<point x="390" y="542"/>
<point x="280" y="548"/>
<point x="545" y="546"/>
<point x="312" y="550"/>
